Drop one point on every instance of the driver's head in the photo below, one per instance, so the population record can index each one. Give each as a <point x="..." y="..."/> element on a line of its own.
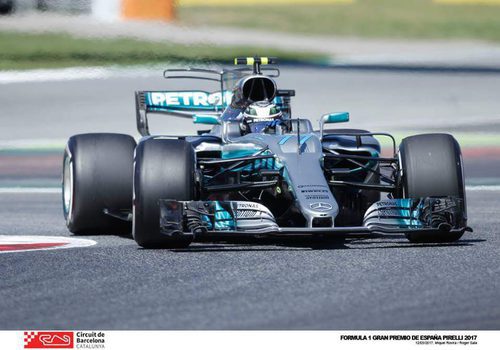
<point x="260" y="115"/>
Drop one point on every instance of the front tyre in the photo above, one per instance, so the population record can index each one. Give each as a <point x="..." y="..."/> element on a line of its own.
<point x="431" y="166"/>
<point x="163" y="169"/>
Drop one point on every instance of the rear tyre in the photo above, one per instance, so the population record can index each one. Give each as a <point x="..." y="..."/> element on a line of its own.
<point x="97" y="175"/>
<point x="431" y="167"/>
<point x="164" y="169"/>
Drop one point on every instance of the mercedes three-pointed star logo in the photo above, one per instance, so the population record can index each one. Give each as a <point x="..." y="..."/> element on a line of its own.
<point x="320" y="206"/>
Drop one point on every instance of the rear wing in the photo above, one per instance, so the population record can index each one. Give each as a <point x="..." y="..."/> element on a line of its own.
<point x="185" y="103"/>
<point x="176" y="103"/>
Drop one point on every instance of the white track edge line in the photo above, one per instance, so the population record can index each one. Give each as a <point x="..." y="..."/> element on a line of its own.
<point x="29" y="190"/>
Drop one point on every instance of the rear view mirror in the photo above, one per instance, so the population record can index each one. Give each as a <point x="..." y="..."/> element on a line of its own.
<point x="207" y="119"/>
<point x="337" y="117"/>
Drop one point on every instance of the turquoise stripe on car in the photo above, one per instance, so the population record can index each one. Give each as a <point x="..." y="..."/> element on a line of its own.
<point x="284" y="140"/>
<point x="304" y="139"/>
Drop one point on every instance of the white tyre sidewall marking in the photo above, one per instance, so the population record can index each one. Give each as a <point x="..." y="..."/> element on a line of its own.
<point x="68" y="187"/>
<point x="134" y="165"/>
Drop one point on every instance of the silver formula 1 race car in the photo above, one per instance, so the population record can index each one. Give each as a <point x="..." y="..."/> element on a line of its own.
<point x="258" y="172"/>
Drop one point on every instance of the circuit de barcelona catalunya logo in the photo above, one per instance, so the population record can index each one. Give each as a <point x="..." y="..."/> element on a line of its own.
<point x="48" y="340"/>
<point x="64" y="340"/>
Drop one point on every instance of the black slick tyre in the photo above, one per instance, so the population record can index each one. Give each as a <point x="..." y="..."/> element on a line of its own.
<point x="163" y="169"/>
<point x="97" y="176"/>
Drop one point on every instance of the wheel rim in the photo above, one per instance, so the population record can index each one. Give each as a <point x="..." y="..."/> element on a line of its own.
<point x="68" y="188"/>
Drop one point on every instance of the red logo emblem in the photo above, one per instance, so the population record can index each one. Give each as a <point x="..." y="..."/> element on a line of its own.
<point x="48" y="340"/>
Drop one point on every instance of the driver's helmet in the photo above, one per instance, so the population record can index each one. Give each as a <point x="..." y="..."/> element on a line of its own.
<point x="261" y="115"/>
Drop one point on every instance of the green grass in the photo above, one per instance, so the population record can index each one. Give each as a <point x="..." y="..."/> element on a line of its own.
<point x="363" y="18"/>
<point x="25" y="51"/>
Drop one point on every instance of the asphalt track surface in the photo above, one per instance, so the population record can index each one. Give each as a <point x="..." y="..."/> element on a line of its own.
<point x="368" y="284"/>
<point x="386" y="283"/>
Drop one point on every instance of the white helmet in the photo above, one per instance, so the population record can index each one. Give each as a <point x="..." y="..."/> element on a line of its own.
<point x="262" y="111"/>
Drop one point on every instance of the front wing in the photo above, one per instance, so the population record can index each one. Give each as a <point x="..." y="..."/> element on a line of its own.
<point x="219" y="219"/>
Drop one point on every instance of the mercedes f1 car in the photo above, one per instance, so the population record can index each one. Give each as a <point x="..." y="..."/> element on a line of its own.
<point x="282" y="179"/>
